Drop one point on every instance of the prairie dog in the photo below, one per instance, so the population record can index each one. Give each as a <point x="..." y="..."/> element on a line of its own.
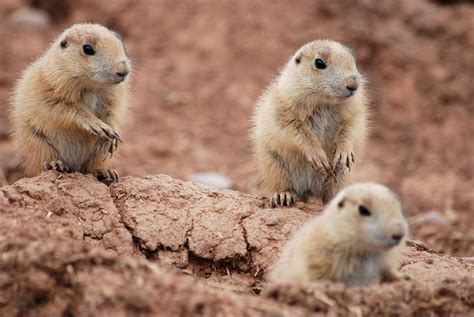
<point x="310" y="123"/>
<point x="69" y="103"/>
<point x="356" y="241"/>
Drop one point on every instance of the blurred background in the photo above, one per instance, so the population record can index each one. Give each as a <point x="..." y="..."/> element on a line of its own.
<point x="200" y="65"/>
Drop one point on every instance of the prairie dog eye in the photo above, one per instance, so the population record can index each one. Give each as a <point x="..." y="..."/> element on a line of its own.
<point x="319" y="63"/>
<point x="88" y="50"/>
<point x="364" y="211"/>
<point x="341" y="204"/>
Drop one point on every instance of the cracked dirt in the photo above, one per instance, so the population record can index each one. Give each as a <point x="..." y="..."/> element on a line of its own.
<point x="72" y="245"/>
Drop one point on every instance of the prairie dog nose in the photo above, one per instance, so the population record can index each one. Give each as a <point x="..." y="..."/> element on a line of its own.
<point x="397" y="237"/>
<point x="397" y="233"/>
<point x="352" y="83"/>
<point x="124" y="69"/>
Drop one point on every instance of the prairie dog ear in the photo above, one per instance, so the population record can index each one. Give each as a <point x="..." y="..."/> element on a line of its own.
<point x="117" y="35"/>
<point x="298" y="56"/>
<point x="63" y="42"/>
<point x="352" y="51"/>
<point x="341" y="203"/>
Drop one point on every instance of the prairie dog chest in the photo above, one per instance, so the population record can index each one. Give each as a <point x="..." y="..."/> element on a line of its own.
<point x="325" y="121"/>
<point x="94" y="101"/>
<point x="368" y="271"/>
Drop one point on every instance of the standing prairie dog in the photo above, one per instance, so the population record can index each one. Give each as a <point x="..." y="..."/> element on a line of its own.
<point x="309" y="124"/>
<point x="356" y="241"/>
<point x="70" y="102"/>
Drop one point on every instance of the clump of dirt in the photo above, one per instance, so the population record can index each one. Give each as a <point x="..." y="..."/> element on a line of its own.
<point x="59" y="278"/>
<point x="72" y="246"/>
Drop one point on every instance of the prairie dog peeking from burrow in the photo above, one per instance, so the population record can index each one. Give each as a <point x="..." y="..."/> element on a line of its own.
<point x="357" y="240"/>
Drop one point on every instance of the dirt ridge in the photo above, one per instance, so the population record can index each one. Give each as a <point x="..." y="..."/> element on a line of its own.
<point x="65" y="247"/>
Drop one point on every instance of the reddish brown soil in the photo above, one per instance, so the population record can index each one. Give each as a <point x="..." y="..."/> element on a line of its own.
<point x="199" y="67"/>
<point x="160" y="246"/>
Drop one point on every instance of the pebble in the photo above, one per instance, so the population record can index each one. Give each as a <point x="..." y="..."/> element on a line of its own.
<point x="29" y="17"/>
<point x="430" y="217"/>
<point x="212" y="179"/>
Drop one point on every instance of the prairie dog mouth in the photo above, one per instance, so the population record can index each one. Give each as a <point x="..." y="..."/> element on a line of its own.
<point x="109" y="78"/>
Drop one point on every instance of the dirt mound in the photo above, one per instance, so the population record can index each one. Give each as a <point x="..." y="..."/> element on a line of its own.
<point x="73" y="246"/>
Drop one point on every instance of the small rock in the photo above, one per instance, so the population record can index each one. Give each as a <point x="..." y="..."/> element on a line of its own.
<point x="430" y="217"/>
<point x="32" y="18"/>
<point x="212" y="179"/>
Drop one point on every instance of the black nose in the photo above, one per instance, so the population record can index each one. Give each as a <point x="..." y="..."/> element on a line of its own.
<point x="352" y="83"/>
<point x="122" y="73"/>
<point x="352" y="87"/>
<point x="397" y="237"/>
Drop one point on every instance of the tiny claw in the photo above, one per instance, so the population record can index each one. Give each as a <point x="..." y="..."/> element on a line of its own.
<point x="114" y="175"/>
<point x="334" y="163"/>
<point x="106" y="175"/>
<point x="330" y="171"/>
<point x="283" y="199"/>
<point x="290" y="199"/>
<point x="60" y="166"/>
<point x="107" y="133"/>
<point x="118" y="137"/>
<point x="56" y="166"/>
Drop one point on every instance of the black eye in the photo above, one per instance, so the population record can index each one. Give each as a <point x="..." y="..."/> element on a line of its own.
<point x="88" y="50"/>
<point x="319" y="64"/>
<point x="364" y="211"/>
<point x="341" y="204"/>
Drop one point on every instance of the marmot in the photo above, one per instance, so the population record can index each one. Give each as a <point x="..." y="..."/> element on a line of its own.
<point x="69" y="103"/>
<point x="309" y="124"/>
<point x="357" y="240"/>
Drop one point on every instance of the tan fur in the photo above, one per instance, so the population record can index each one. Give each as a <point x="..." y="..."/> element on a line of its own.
<point x="344" y="246"/>
<point x="68" y="105"/>
<point x="306" y="129"/>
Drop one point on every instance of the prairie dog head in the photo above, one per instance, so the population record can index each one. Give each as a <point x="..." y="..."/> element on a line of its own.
<point x="369" y="216"/>
<point x="322" y="71"/>
<point x="92" y="54"/>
